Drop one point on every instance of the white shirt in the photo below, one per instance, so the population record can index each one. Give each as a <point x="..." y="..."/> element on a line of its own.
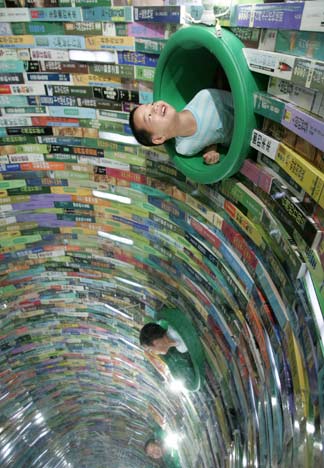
<point x="180" y="344"/>
<point x="214" y="115"/>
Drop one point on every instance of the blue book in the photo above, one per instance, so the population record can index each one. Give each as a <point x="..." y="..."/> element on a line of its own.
<point x="137" y="58"/>
<point x="160" y="14"/>
<point x="53" y="100"/>
<point x="9" y="167"/>
<point x="61" y="77"/>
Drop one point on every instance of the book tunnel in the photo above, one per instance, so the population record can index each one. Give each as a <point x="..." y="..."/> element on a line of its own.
<point x="155" y="310"/>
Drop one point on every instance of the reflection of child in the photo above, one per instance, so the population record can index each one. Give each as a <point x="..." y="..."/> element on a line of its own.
<point x="159" y="338"/>
<point x="155" y="449"/>
<point x="207" y="120"/>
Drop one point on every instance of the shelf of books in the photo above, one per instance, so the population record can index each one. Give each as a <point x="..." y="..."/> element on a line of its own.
<point x="82" y="272"/>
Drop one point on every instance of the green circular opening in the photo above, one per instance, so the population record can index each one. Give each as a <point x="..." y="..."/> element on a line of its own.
<point x="190" y="61"/>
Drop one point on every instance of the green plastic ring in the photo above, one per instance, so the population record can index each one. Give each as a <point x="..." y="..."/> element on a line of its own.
<point x="187" y="64"/>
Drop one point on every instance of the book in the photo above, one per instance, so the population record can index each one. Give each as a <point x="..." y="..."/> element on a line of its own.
<point x="305" y="72"/>
<point x="150" y="46"/>
<point x="64" y="42"/>
<point x="306" y="175"/>
<point x="109" y="42"/>
<point x="293" y="15"/>
<point x="300" y="43"/>
<point x="113" y="14"/>
<point x="290" y="92"/>
<point x="137" y="58"/>
<point x="14" y="15"/>
<point x="163" y="14"/>
<point x="37" y="28"/>
<point x="84" y="28"/>
<point x="56" y="14"/>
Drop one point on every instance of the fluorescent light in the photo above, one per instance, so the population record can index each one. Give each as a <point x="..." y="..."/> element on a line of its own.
<point x="39" y="418"/>
<point x="315" y="304"/>
<point x="93" y="56"/>
<point x="310" y="428"/>
<point x="177" y="386"/>
<point x="122" y="240"/>
<point x="128" y="140"/>
<point x="116" y="311"/>
<point x="132" y="283"/>
<point x="172" y="440"/>
<point x="111" y="196"/>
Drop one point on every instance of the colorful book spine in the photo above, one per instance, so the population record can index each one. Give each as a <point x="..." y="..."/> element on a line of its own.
<point x="151" y="30"/>
<point x="56" y="14"/>
<point x="48" y="54"/>
<point x="110" y="43"/>
<point x="163" y="14"/>
<point x="84" y="28"/>
<point x="60" y="42"/>
<point x="293" y="15"/>
<point x="14" y="15"/>
<point x="24" y="41"/>
<point x="300" y="43"/>
<point x="36" y="28"/>
<point x="305" y="125"/>
<point x="137" y="58"/>
<point x="114" y="14"/>
<point x="149" y="46"/>
<point x="307" y="73"/>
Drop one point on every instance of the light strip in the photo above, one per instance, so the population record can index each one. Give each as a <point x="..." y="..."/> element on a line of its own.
<point x="116" y="311"/>
<point x="111" y="196"/>
<point x="315" y="304"/>
<point x="123" y="240"/>
<point x="128" y="140"/>
<point x="93" y="56"/>
<point x="132" y="283"/>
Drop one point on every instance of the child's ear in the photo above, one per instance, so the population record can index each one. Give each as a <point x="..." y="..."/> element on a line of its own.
<point x="158" y="140"/>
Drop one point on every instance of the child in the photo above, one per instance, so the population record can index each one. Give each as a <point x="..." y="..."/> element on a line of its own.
<point x="160" y="339"/>
<point x="155" y="449"/>
<point x="205" y="121"/>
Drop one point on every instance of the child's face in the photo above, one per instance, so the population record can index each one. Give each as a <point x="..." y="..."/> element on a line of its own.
<point x="154" y="450"/>
<point x="159" y="345"/>
<point x="157" y="119"/>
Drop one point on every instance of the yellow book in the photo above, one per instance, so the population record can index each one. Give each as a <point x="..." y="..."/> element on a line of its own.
<point x="26" y="40"/>
<point x="84" y="80"/>
<point x="303" y="172"/>
<point x="109" y="42"/>
<point x="298" y="373"/>
<point x="72" y="190"/>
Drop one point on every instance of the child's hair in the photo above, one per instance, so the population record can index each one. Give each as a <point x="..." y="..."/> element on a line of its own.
<point x="151" y="332"/>
<point x="142" y="136"/>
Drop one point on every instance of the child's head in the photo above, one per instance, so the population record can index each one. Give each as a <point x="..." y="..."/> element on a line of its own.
<point x="154" y="338"/>
<point x="153" y="449"/>
<point x="152" y="124"/>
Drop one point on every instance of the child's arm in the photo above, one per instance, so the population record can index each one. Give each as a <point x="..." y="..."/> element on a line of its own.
<point x="210" y="155"/>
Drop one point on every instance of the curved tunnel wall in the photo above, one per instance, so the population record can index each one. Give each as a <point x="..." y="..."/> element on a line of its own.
<point x="76" y="388"/>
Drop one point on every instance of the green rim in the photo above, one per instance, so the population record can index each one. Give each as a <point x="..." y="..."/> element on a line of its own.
<point x="188" y="63"/>
<point x="188" y="333"/>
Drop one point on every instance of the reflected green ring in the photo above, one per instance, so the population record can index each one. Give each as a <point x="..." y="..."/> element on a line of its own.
<point x="182" y="324"/>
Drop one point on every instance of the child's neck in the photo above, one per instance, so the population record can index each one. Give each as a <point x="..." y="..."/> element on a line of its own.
<point x="187" y="125"/>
